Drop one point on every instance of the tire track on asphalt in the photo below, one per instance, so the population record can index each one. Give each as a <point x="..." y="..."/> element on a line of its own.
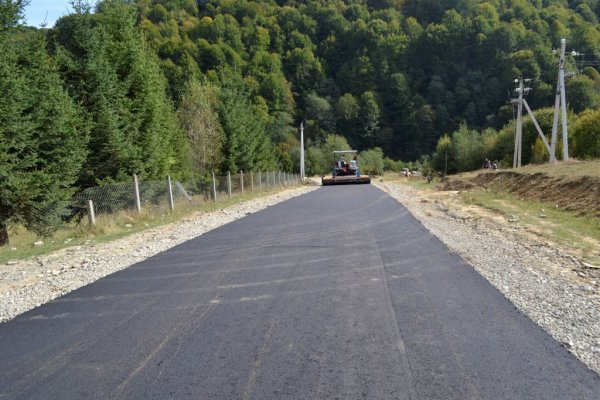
<point x="400" y="344"/>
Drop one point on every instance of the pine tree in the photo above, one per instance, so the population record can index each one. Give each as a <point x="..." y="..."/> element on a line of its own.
<point x="248" y="144"/>
<point x="42" y="136"/>
<point x="109" y="69"/>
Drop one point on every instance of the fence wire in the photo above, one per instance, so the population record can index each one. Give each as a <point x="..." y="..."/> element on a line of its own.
<point x="113" y="198"/>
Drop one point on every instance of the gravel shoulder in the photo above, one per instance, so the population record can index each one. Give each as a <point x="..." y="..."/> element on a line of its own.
<point x="544" y="282"/>
<point x="547" y="284"/>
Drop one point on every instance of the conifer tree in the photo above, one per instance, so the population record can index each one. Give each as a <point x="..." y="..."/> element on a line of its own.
<point x="109" y="69"/>
<point x="42" y="135"/>
<point x="248" y="144"/>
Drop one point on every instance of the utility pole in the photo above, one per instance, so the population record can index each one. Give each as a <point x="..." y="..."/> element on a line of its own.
<point x="519" y="131"/>
<point x="522" y="90"/>
<point x="555" y="123"/>
<point x="560" y="101"/>
<point x="302" y="151"/>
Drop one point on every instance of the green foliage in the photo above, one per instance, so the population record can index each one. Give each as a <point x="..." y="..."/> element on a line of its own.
<point x="199" y="119"/>
<point x="391" y="165"/>
<point x="369" y="116"/>
<point x="319" y="117"/>
<point x="539" y="153"/>
<point x="359" y="69"/>
<point x="320" y="158"/>
<point x="371" y="161"/>
<point x="248" y="147"/>
<point x="468" y="149"/>
<point x="11" y="12"/>
<point x="42" y="137"/>
<point x="586" y="135"/>
<point x="583" y="92"/>
<point x="544" y="118"/>
<point x="106" y="64"/>
<point x="444" y="156"/>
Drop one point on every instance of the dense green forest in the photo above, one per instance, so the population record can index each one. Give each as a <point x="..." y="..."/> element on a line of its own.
<point x="397" y="75"/>
<point x="186" y="87"/>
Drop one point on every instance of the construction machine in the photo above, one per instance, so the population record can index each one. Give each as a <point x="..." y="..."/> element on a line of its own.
<point x="345" y="169"/>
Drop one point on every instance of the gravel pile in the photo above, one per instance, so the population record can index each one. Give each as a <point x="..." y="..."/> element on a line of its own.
<point x="30" y="283"/>
<point x="553" y="288"/>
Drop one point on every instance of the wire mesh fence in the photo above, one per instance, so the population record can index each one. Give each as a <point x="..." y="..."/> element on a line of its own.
<point x="154" y="196"/>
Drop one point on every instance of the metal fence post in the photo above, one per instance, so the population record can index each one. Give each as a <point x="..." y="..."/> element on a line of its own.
<point x="242" y="181"/>
<point x="170" y="194"/>
<point x="136" y="193"/>
<point x="90" y="212"/>
<point x="229" y="183"/>
<point x="214" y="187"/>
<point x="260" y="180"/>
<point x="252" y="181"/>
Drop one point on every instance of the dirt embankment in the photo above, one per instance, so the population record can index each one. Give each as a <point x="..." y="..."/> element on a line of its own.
<point x="577" y="194"/>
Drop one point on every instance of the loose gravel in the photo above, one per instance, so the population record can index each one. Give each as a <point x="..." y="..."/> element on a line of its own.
<point x="550" y="286"/>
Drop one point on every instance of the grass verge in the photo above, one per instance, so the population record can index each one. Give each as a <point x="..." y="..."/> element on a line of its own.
<point x="569" y="230"/>
<point x="110" y="227"/>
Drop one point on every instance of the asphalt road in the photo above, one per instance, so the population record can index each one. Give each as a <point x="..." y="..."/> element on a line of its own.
<point x="337" y="294"/>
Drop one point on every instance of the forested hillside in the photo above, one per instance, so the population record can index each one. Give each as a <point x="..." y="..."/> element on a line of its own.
<point x="186" y="87"/>
<point x="392" y="74"/>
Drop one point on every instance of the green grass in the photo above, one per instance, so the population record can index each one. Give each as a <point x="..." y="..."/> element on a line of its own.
<point x="415" y="181"/>
<point x="563" y="227"/>
<point x="570" y="169"/>
<point x="110" y="227"/>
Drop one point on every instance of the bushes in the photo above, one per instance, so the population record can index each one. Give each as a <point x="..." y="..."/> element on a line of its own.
<point x="319" y="158"/>
<point x="586" y="135"/>
<point x="371" y="161"/>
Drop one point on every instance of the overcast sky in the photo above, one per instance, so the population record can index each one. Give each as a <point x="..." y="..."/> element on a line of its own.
<point x="39" y="11"/>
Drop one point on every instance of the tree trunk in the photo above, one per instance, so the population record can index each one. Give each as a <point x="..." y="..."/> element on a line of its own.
<point x="3" y="234"/>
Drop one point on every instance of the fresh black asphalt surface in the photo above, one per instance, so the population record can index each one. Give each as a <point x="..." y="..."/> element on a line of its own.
<point x="336" y="294"/>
